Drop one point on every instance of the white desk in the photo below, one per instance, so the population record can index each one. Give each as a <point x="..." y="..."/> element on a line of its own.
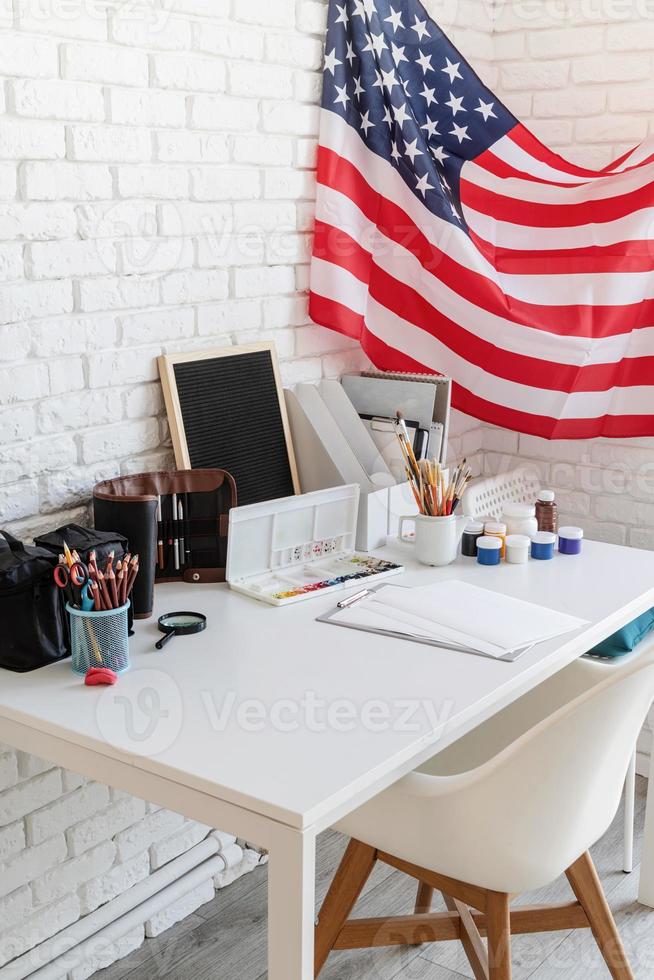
<point x="178" y="729"/>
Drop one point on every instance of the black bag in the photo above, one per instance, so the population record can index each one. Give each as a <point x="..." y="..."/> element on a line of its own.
<point x="33" y="627"/>
<point x="83" y="540"/>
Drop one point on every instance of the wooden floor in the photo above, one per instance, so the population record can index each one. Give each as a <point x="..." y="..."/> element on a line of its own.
<point x="226" y="939"/>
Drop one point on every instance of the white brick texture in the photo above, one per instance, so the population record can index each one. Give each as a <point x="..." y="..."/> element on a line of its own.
<point x="69" y="845"/>
<point x="139" y="150"/>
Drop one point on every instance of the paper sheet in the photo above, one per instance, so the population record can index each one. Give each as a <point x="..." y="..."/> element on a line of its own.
<point x="465" y="615"/>
<point x="391" y="624"/>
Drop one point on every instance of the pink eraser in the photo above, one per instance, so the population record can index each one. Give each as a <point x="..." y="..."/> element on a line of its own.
<point x="100" y="675"/>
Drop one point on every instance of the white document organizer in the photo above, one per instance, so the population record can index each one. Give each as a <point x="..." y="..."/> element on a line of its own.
<point x="424" y="398"/>
<point x="280" y="545"/>
<point x="319" y="453"/>
<point x="357" y="435"/>
<point x="328" y="433"/>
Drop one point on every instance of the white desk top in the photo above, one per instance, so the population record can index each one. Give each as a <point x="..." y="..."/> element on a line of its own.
<point x="302" y="770"/>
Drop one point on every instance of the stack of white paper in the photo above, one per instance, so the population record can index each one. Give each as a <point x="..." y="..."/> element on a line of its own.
<point x="459" y="615"/>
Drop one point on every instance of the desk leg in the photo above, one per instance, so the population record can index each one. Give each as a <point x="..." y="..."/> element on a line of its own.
<point x="291" y="905"/>
<point x="646" y="886"/>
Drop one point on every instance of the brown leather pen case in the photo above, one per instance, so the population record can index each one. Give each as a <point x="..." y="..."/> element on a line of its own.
<point x="177" y="522"/>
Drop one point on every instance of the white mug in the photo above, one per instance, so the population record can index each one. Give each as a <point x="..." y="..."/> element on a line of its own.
<point x="437" y="538"/>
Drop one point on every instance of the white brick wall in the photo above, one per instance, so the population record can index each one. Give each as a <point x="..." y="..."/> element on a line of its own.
<point x="69" y="845"/>
<point x="154" y="164"/>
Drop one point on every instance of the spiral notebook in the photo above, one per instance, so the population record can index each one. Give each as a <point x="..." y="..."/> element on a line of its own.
<point x="502" y="627"/>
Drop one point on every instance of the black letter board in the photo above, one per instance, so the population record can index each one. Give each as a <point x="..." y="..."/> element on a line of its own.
<point x="226" y="410"/>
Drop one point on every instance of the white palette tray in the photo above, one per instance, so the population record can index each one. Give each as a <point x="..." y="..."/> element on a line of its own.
<point x="294" y="548"/>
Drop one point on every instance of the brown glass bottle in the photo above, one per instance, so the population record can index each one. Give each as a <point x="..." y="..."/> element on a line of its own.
<point x="547" y="513"/>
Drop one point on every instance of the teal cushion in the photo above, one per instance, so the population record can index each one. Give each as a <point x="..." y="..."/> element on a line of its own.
<point x="626" y="639"/>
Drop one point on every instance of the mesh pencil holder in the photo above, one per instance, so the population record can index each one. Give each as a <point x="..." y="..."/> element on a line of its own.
<point x="99" y="639"/>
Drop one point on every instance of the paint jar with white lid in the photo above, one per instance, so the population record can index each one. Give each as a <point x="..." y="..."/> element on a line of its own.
<point x="517" y="549"/>
<point x="520" y="519"/>
<point x="570" y="539"/>
<point x="547" y="513"/>
<point x="496" y="529"/>
<point x="489" y="550"/>
<point x="473" y="531"/>
<point x="542" y="545"/>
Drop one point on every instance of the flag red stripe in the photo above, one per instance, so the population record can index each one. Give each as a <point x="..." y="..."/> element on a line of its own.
<point x="326" y="312"/>
<point x="521" y="136"/>
<point x="590" y="321"/>
<point x="634" y="256"/>
<point x="535" y="215"/>
<point x="336" y="316"/>
<point x="500" y="168"/>
<point x="610" y="167"/>
<point x="407" y="303"/>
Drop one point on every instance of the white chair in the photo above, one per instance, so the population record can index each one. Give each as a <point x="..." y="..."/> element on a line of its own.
<point x="598" y="668"/>
<point x="487" y="497"/>
<point x="506" y="809"/>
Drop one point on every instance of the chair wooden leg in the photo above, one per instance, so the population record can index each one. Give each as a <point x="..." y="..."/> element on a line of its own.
<point x="353" y="872"/>
<point x="424" y="898"/>
<point x="498" y="922"/>
<point x="588" y="890"/>
<point x="471" y="940"/>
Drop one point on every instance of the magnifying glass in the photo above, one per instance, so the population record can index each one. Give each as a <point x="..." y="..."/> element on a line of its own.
<point x="179" y="624"/>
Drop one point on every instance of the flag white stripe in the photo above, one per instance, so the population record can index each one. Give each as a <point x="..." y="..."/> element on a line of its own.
<point x="509" y="152"/>
<point x="640" y="153"/>
<point x="540" y="193"/>
<point x="638" y="226"/>
<point x="342" y="287"/>
<point x="505" y="334"/>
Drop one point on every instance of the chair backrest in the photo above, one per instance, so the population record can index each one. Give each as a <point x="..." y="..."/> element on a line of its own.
<point x="552" y="793"/>
<point x="487" y="497"/>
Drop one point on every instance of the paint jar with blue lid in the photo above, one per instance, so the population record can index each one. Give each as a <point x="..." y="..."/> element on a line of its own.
<point x="489" y="550"/>
<point x="570" y="539"/>
<point x="542" y="545"/>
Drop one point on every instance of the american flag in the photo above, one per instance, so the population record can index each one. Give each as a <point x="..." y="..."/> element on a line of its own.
<point x="449" y="239"/>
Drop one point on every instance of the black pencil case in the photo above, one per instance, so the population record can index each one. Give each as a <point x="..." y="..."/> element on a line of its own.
<point x="130" y="504"/>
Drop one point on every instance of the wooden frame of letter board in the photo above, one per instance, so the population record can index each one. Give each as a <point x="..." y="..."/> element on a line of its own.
<point x="167" y="364"/>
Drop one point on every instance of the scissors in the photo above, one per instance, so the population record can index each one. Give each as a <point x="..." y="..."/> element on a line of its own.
<point x="75" y="583"/>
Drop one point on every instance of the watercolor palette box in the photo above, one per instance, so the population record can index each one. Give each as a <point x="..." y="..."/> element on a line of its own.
<point x="294" y="548"/>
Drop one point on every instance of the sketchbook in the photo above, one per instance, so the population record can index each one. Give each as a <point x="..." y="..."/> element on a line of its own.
<point x="502" y="627"/>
